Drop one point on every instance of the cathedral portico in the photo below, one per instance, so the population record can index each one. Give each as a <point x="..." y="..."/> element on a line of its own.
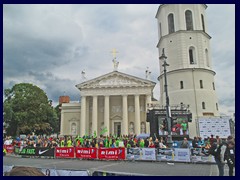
<point x="115" y="102"/>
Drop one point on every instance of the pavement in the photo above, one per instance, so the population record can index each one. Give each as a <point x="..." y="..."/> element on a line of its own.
<point x="133" y="168"/>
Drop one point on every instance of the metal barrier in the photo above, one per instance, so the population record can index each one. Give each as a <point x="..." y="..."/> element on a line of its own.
<point x="194" y="155"/>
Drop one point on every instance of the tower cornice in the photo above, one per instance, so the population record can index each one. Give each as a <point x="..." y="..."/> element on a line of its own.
<point x="188" y="69"/>
<point x="183" y="31"/>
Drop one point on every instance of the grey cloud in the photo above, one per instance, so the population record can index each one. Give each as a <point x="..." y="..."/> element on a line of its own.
<point x="55" y="86"/>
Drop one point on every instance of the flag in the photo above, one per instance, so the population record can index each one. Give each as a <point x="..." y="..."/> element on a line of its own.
<point x="103" y="131"/>
<point x="95" y="134"/>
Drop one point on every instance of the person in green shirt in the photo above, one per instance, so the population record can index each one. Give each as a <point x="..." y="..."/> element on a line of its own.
<point x="184" y="127"/>
<point x="106" y="142"/>
<point x="141" y="143"/>
<point x="69" y="143"/>
<point x="4" y="151"/>
<point x="110" y="142"/>
<point x="117" y="142"/>
<point x="62" y="143"/>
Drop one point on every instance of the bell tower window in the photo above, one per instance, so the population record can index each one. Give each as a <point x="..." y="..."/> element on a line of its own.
<point x="203" y="105"/>
<point x="189" y="20"/>
<point x="171" y="28"/>
<point x="192" y="55"/>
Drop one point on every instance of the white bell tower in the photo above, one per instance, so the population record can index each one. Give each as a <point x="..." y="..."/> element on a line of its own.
<point x="183" y="33"/>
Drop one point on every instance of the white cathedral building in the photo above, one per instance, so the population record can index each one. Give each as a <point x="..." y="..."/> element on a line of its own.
<point x="118" y="101"/>
<point x="115" y="101"/>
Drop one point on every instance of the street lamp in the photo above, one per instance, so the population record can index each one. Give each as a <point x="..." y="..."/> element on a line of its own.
<point x="168" y="111"/>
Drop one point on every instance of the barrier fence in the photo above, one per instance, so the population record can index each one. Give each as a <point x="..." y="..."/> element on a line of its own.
<point x="194" y="155"/>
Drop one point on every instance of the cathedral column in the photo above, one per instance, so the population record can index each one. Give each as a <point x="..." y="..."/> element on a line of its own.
<point x="148" y="100"/>
<point x="125" y="116"/>
<point x="95" y="115"/>
<point x="87" y="117"/>
<point x="106" y="115"/>
<point x="83" y="116"/>
<point x="137" y="115"/>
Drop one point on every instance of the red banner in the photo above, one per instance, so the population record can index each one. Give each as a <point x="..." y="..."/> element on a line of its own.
<point x="64" y="152"/>
<point x="111" y="153"/>
<point x="9" y="148"/>
<point x="86" y="153"/>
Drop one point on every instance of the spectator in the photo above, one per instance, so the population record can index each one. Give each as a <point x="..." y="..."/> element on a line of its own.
<point x="230" y="156"/>
<point x="184" y="143"/>
<point x="184" y="127"/>
<point x="151" y="144"/>
<point x="200" y="142"/>
<point x="207" y="143"/>
<point x="4" y="152"/>
<point x="212" y="139"/>
<point x="146" y="142"/>
<point x="219" y="140"/>
<point x="218" y="151"/>
<point x="195" y="142"/>
<point x="25" y="171"/>
<point x="178" y="128"/>
<point x="161" y="144"/>
<point x="141" y="143"/>
<point x="230" y="138"/>
<point x="156" y="143"/>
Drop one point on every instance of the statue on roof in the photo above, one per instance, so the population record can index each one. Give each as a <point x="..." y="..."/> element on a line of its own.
<point x="115" y="62"/>
<point x="148" y="73"/>
<point x="83" y="75"/>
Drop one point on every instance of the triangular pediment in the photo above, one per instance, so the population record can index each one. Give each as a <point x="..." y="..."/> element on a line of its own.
<point x="115" y="79"/>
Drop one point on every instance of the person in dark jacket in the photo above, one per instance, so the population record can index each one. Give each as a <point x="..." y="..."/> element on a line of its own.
<point x="195" y="142"/>
<point x="229" y="156"/>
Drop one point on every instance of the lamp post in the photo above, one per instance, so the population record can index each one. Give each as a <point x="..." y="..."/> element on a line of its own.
<point x="168" y="111"/>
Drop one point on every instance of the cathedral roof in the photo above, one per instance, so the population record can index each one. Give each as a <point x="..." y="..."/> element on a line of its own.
<point x="115" y="79"/>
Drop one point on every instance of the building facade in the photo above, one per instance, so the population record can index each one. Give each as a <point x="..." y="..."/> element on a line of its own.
<point x="114" y="103"/>
<point x="182" y="31"/>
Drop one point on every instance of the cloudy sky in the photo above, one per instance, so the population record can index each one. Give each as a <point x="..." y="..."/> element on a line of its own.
<point x="50" y="45"/>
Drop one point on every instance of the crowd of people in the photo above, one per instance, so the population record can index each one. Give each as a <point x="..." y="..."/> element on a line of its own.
<point x="222" y="150"/>
<point x="112" y="141"/>
<point x="128" y="141"/>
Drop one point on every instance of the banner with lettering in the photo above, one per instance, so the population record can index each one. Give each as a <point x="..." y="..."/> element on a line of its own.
<point x="28" y="151"/>
<point x="149" y="154"/>
<point x="134" y="153"/>
<point x="43" y="151"/>
<point x="182" y="154"/>
<point x="86" y="153"/>
<point x="16" y="150"/>
<point x="9" y="148"/>
<point x="198" y="155"/>
<point x="165" y="154"/>
<point x="37" y="151"/>
<point x="64" y="152"/>
<point x="214" y="125"/>
<point x="111" y="153"/>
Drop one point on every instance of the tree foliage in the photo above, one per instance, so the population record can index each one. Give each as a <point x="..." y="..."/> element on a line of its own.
<point x="27" y="109"/>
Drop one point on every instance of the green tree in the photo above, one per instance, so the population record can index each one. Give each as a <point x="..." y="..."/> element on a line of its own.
<point x="27" y="109"/>
<point x="58" y="112"/>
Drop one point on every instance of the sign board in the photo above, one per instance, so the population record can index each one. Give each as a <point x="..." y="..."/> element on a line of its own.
<point x="216" y="126"/>
<point x="182" y="155"/>
<point x="86" y="153"/>
<point x="37" y="151"/>
<point x="149" y="154"/>
<point x="64" y="152"/>
<point x="111" y="153"/>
